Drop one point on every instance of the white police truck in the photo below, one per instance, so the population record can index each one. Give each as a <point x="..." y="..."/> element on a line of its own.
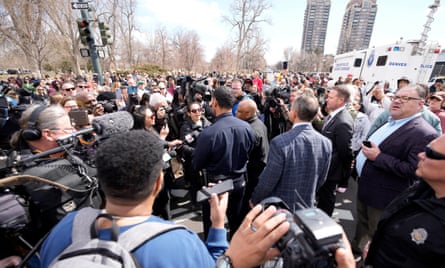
<point x="388" y="63"/>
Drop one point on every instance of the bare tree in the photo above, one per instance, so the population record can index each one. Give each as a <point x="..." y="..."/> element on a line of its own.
<point x="254" y="56"/>
<point x="63" y="24"/>
<point x="125" y="27"/>
<point x="189" y="52"/>
<point x="224" y="59"/>
<point x="245" y="17"/>
<point x="23" y="24"/>
<point x="162" y="40"/>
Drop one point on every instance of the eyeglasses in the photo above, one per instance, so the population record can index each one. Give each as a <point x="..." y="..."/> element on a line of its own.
<point x="82" y="86"/>
<point x="69" y="89"/>
<point x="430" y="153"/>
<point x="66" y="130"/>
<point x="404" y="99"/>
<point x="196" y="110"/>
<point x="71" y="106"/>
<point x="162" y="88"/>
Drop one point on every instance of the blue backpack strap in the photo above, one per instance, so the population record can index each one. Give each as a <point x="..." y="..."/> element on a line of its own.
<point x="141" y="233"/>
<point x="82" y="224"/>
<point x="130" y="239"/>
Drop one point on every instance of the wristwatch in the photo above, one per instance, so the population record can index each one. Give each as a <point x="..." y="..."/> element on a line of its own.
<point x="223" y="261"/>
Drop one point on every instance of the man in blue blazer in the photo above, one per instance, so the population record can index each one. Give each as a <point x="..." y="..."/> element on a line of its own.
<point x="338" y="127"/>
<point x="388" y="167"/>
<point x="298" y="160"/>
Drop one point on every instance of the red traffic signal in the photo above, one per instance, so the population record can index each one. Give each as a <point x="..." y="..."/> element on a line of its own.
<point x="84" y="31"/>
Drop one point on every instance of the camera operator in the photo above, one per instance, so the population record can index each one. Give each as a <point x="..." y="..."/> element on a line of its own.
<point x="107" y="100"/>
<point x="276" y="112"/>
<point x="41" y="127"/>
<point x="162" y="123"/>
<point x="164" y="119"/>
<point x="11" y="110"/>
<point x="190" y="130"/>
<point x="257" y="97"/>
<point x="89" y="102"/>
<point x="203" y="95"/>
<point x="255" y="241"/>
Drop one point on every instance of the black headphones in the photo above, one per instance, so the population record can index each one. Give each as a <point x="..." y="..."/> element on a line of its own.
<point x="31" y="133"/>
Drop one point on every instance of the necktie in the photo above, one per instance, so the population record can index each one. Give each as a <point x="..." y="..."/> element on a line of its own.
<point x="326" y="121"/>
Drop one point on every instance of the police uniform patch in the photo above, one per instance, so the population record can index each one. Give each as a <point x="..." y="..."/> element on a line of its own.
<point x="419" y="236"/>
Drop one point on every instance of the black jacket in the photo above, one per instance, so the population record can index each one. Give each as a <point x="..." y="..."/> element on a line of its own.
<point x="411" y="231"/>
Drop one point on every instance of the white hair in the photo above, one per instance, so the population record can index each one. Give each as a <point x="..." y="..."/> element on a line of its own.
<point x="157" y="98"/>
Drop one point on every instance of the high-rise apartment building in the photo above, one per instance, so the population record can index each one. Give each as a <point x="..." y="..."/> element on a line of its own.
<point x="357" y="26"/>
<point x="316" y="19"/>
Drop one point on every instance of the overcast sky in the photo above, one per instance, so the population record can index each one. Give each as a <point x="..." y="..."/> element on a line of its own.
<point x="395" y="19"/>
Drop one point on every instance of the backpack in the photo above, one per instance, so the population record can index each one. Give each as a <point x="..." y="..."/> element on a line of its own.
<point x="88" y="250"/>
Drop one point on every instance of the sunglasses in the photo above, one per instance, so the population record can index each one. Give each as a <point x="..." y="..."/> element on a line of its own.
<point x="82" y="86"/>
<point x="69" y="89"/>
<point x="196" y="110"/>
<point x="430" y="153"/>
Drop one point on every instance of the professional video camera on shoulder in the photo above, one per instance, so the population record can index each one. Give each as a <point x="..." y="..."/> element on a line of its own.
<point x="202" y="87"/>
<point x="38" y="190"/>
<point x="312" y="238"/>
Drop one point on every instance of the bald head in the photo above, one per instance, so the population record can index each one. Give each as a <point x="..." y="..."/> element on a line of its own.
<point x="246" y="110"/>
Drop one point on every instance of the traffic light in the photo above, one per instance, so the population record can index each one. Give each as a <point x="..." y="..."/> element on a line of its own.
<point x="84" y="31"/>
<point x="105" y="33"/>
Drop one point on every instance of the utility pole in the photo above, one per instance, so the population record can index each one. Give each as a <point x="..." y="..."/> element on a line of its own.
<point x="90" y="42"/>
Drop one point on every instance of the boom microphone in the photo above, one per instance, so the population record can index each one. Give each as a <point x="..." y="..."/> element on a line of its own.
<point x="112" y="123"/>
<point x="104" y="126"/>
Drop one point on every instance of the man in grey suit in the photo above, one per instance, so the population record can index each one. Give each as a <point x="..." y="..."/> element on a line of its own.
<point x="338" y="127"/>
<point x="298" y="160"/>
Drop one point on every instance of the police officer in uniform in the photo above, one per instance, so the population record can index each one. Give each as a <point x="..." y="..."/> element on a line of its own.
<point x="411" y="230"/>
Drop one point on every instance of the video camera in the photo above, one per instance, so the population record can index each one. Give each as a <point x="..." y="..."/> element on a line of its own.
<point x="109" y="105"/>
<point x="312" y="237"/>
<point x="277" y="93"/>
<point x="37" y="191"/>
<point x="200" y="85"/>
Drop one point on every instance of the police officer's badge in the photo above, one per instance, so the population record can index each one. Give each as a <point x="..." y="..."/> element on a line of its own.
<point x="419" y="235"/>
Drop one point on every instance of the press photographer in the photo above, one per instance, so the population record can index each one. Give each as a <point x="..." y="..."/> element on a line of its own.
<point x="10" y="112"/>
<point x="199" y="91"/>
<point x="46" y="176"/>
<point x="89" y="102"/>
<point x="312" y="239"/>
<point x="166" y="130"/>
<point x="276" y="111"/>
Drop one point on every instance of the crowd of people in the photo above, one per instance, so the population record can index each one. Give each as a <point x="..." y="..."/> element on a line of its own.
<point x="300" y="137"/>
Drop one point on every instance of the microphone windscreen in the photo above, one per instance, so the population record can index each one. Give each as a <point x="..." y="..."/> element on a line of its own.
<point x="112" y="123"/>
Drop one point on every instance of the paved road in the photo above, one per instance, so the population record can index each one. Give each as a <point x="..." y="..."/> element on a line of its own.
<point x="344" y="213"/>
